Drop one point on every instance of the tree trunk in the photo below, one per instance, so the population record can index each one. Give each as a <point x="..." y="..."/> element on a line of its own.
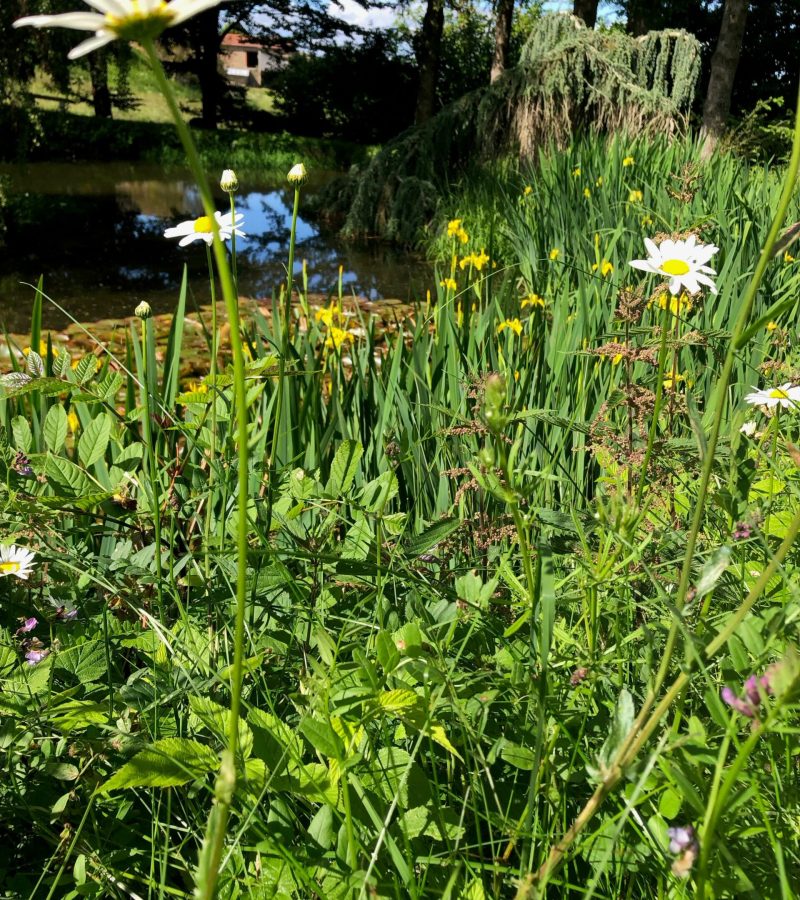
<point x="637" y="20"/>
<point x="502" y="38"/>
<point x="98" y="73"/>
<point x="428" y="49"/>
<point x="587" y="11"/>
<point x="723" y="71"/>
<point x="208" y="67"/>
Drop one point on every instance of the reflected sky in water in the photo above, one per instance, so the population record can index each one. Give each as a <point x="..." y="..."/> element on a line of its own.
<point x="96" y="234"/>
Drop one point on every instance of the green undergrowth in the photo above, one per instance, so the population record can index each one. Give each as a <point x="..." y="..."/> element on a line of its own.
<point x="62" y="135"/>
<point x="466" y="539"/>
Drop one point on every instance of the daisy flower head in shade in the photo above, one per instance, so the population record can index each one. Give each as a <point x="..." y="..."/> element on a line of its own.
<point x="202" y="229"/>
<point x="16" y="561"/>
<point x="127" y="20"/>
<point x="786" y="396"/>
<point x="683" y="262"/>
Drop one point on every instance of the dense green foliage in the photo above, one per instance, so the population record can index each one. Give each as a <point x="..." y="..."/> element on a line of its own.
<point x="569" y="80"/>
<point x="364" y="92"/>
<point x="461" y="573"/>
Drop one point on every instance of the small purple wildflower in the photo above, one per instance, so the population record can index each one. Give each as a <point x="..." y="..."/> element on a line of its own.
<point x="578" y="675"/>
<point x="745" y="707"/>
<point x="65" y="615"/>
<point x="755" y="688"/>
<point x="742" y="531"/>
<point x="681" y="838"/>
<point x="683" y="843"/>
<point x="27" y="625"/>
<point x="33" y="657"/>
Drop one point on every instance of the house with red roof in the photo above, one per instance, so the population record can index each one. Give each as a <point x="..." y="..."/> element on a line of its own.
<point x="244" y="59"/>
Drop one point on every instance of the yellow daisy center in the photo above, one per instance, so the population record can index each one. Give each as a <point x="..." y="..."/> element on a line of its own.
<point x="10" y="568"/>
<point x="778" y="394"/>
<point x="141" y="23"/>
<point x="675" y="266"/>
<point x="203" y="225"/>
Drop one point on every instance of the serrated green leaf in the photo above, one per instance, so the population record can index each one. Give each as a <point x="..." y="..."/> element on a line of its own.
<point x="21" y="430"/>
<point x="86" y="661"/>
<point x="94" y="440"/>
<point x="166" y="763"/>
<point x="431" y="536"/>
<point x="712" y="571"/>
<point x="66" y="476"/>
<point x="85" y="368"/>
<point x="215" y="718"/>
<point x="401" y="698"/>
<point x="377" y="494"/>
<point x="344" y="468"/>
<point x="55" y="428"/>
<point x="322" y="737"/>
<point x="34" y="364"/>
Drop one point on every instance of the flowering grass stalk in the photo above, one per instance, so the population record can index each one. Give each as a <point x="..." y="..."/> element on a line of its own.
<point x="211" y="853"/>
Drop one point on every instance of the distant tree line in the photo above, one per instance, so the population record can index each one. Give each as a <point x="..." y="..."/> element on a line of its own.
<point x="348" y="81"/>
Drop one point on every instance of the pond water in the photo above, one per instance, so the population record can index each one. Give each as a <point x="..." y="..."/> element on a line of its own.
<point x="95" y="231"/>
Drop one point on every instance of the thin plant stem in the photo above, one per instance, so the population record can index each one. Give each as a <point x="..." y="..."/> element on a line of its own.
<point x="212" y="462"/>
<point x="651" y="437"/>
<point x="285" y="345"/>
<point x="211" y="852"/>
<point x="152" y="470"/>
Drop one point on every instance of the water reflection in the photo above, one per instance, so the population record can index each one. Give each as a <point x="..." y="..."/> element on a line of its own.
<point x="96" y="234"/>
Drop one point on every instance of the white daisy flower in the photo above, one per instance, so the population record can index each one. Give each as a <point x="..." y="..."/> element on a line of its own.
<point x="129" y="20"/>
<point x="683" y="262"/>
<point x="785" y="396"/>
<point x="16" y="561"/>
<point x="201" y="229"/>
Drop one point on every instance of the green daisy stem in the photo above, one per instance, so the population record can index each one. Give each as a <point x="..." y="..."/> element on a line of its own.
<point x="152" y="468"/>
<point x="211" y="852"/>
<point x="213" y="394"/>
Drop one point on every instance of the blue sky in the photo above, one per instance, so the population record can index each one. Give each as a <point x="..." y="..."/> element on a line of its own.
<point x="382" y="18"/>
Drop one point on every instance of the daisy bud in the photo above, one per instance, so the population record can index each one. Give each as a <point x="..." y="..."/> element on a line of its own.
<point x="143" y="310"/>
<point x="297" y="174"/>
<point x="229" y="182"/>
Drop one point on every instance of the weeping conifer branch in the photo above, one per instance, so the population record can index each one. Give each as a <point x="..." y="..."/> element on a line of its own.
<point x="569" y="78"/>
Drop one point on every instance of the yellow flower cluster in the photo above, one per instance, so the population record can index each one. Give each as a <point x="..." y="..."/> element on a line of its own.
<point x="514" y="324"/>
<point x="333" y="318"/>
<point x="449" y="284"/>
<point x="673" y="380"/>
<point x="42" y="350"/>
<point x="635" y="197"/>
<point x="476" y="260"/>
<point x="677" y="305"/>
<point x="554" y="254"/>
<point x="528" y="190"/>
<point x="628" y="161"/>
<point x="576" y="172"/>
<point x="328" y="315"/>
<point x="532" y="300"/>
<point x="587" y="193"/>
<point x="336" y="337"/>
<point x="788" y="258"/>
<point x="606" y="268"/>
<point x="455" y="230"/>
